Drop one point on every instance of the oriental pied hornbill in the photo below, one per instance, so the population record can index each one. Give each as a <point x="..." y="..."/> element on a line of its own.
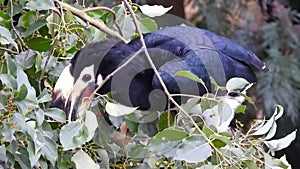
<point x="172" y="49"/>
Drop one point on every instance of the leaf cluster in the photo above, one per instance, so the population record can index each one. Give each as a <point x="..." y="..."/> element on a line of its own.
<point x="37" y="45"/>
<point x="281" y="46"/>
<point x="271" y="29"/>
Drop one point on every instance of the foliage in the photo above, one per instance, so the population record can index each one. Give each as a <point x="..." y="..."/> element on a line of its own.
<point x="281" y="44"/>
<point x="271" y="29"/>
<point x="34" y="50"/>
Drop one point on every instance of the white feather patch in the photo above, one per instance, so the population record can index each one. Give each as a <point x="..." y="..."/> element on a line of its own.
<point x="64" y="83"/>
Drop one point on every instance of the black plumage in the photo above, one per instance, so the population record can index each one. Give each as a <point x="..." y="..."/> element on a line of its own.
<point x="172" y="49"/>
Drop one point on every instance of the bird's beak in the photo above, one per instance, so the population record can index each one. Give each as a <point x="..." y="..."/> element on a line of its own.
<point x="72" y="96"/>
<point x="79" y="100"/>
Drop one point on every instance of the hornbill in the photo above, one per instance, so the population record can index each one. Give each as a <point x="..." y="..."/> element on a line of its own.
<point x="172" y="49"/>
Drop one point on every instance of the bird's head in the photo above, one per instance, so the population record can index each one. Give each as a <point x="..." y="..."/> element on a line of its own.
<point x="79" y="80"/>
<point x="71" y="94"/>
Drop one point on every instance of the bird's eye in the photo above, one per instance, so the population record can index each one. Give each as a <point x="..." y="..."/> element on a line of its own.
<point x="86" y="77"/>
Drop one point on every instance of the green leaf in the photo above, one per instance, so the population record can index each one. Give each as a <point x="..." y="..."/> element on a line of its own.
<point x="22" y="78"/>
<point x="91" y="123"/>
<point x="3" y="101"/>
<point x="2" y="107"/>
<point x="166" y="142"/>
<point x="269" y="125"/>
<point x="279" y="144"/>
<point x="168" y="135"/>
<point x="7" y="133"/>
<point x="224" y="139"/>
<point x="7" y="35"/>
<point x="118" y="109"/>
<point x="22" y="157"/>
<point x="53" y="23"/>
<point x="280" y="113"/>
<point x="264" y="129"/>
<point x="64" y="161"/>
<point x="162" y="122"/>
<point x="250" y="164"/>
<point x="194" y="149"/>
<point x="248" y="99"/>
<point x="39" y="116"/>
<point x="11" y="66"/>
<point x="236" y="83"/>
<point x="3" y="156"/>
<point x="207" y="131"/>
<point x="147" y="25"/>
<point x="20" y="122"/>
<point x="73" y="135"/>
<point x="224" y="110"/>
<point x="9" y="81"/>
<point x="189" y="106"/>
<point x="4" y="19"/>
<point x="26" y="59"/>
<point x="214" y="83"/>
<point x="34" y="27"/>
<point x="241" y="109"/>
<point x="271" y="132"/>
<point x="21" y="93"/>
<point x="40" y="5"/>
<point x="131" y="125"/>
<point x="103" y="155"/>
<point x="50" y="150"/>
<point x="39" y="44"/>
<point x="38" y="63"/>
<point x="83" y="160"/>
<point x="28" y="18"/>
<point x="56" y="114"/>
<point x="191" y="76"/>
<point x="33" y="156"/>
<point x="268" y="160"/>
<point x="128" y="27"/>
<point x="135" y="151"/>
<point x="44" y="96"/>
<point x="285" y="163"/>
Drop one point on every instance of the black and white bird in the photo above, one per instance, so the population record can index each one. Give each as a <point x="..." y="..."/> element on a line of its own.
<point x="172" y="49"/>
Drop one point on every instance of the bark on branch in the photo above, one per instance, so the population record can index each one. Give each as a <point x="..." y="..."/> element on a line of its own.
<point x="81" y="14"/>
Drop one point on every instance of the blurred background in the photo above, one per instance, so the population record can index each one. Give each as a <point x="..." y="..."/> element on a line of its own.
<point x="270" y="28"/>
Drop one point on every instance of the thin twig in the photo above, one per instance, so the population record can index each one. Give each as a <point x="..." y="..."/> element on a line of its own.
<point x="109" y="10"/>
<point x="101" y="26"/>
<point x="9" y="51"/>
<point x="44" y="69"/>
<point x="12" y="25"/>
<point x="144" y="47"/>
<point x="25" y="58"/>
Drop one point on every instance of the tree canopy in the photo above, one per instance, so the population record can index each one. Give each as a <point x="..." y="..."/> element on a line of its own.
<point x="37" y="40"/>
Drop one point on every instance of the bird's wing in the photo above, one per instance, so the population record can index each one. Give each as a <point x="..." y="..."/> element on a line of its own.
<point x="235" y="51"/>
<point x="183" y="48"/>
<point x="221" y="57"/>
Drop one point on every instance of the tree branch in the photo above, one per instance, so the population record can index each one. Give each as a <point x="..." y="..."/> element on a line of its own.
<point x="81" y="14"/>
<point x="109" y="10"/>
<point x="9" y="51"/>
